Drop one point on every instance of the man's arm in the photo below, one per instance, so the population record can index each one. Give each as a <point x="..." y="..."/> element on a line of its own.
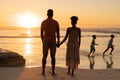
<point x="58" y="35"/>
<point x="41" y="32"/>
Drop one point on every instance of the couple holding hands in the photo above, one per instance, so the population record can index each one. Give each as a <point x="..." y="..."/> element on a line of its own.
<point x="49" y="33"/>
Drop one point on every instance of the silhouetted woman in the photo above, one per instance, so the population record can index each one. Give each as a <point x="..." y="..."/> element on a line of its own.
<point x="73" y="35"/>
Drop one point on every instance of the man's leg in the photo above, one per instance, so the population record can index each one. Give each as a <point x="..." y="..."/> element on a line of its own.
<point x="52" y="53"/>
<point x="43" y="63"/>
<point x="45" y="54"/>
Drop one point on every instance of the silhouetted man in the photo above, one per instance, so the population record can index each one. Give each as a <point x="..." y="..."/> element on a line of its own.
<point x="49" y="32"/>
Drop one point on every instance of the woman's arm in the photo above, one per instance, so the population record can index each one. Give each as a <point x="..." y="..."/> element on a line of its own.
<point x="65" y="38"/>
<point x="79" y="37"/>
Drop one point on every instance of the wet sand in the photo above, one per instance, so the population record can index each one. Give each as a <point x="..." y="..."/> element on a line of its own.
<point x="80" y="74"/>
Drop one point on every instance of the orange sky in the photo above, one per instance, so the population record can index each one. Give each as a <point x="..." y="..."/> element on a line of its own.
<point x="90" y="12"/>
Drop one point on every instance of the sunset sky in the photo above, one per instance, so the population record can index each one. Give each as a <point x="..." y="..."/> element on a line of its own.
<point x="30" y="13"/>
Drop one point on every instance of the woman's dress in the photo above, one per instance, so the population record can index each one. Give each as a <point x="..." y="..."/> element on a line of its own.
<point x="72" y="54"/>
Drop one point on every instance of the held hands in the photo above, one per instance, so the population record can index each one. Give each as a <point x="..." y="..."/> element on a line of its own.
<point x="58" y="45"/>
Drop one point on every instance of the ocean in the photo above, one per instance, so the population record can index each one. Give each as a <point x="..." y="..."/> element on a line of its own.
<point x="28" y="44"/>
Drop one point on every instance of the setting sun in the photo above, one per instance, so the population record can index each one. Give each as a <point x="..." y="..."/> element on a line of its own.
<point x="28" y="20"/>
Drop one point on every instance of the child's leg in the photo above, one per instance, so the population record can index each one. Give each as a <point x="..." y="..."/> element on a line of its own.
<point x="106" y="50"/>
<point x="90" y="53"/>
<point x="93" y="52"/>
<point x="111" y="50"/>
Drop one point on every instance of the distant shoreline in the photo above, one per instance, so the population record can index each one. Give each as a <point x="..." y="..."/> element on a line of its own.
<point x="98" y="30"/>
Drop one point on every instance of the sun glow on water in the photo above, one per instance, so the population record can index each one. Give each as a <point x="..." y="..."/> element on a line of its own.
<point x="28" y="46"/>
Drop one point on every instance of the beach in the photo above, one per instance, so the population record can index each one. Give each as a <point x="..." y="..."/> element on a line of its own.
<point x="24" y="24"/>
<point x="20" y="73"/>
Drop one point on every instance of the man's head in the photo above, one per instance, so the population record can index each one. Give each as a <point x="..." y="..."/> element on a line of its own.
<point x="50" y="13"/>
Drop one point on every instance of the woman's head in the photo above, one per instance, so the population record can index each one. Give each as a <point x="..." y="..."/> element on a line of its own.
<point x="74" y="20"/>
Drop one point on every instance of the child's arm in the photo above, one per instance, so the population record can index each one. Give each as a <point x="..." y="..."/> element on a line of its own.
<point x="96" y="44"/>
